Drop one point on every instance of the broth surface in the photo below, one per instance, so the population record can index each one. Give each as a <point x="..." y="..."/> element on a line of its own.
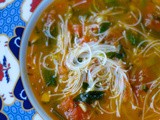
<point x="97" y="60"/>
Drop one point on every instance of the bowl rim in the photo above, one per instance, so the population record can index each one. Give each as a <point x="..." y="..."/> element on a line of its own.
<point x="22" y="57"/>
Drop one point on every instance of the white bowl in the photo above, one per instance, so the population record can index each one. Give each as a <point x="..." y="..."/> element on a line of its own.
<point x="23" y="52"/>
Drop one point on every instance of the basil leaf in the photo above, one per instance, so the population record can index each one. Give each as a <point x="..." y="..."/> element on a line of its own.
<point x="54" y="31"/>
<point x="50" y="80"/>
<point x="121" y="55"/>
<point x="104" y="26"/>
<point x="133" y="38"/>
<point x="89" y="97"/>
<point x="111" y="54"/>
<point x="85" y="85"/>
<point x="121" y="52"/>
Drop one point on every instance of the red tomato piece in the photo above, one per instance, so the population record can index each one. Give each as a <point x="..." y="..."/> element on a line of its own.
<point x="72" y="111"/>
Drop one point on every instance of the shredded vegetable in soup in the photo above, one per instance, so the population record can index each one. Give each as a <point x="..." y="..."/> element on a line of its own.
<point x="97" y="60"/>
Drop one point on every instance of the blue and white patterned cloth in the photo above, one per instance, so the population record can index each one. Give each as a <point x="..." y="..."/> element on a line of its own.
<point x="14" y="104"/>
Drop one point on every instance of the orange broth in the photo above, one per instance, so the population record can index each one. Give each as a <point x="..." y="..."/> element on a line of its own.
<point x="133" y="29"/>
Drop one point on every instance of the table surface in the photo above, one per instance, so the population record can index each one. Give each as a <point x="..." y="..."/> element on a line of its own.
<point x="14" y="104"/>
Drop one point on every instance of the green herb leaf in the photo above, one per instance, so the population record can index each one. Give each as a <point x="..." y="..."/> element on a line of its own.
<point x="85" y="85"/>
<point x="119" y="55"/>
<point x="54" y="31"/>
<point x="134" y="39"/>
<point x="111" y="1"/>
<point x="104" y="26"/>
<point x="89" y="97"/>
<point x="121" y="52"/>
<point x="50" y="80"/>
<point x="112" y="55"/>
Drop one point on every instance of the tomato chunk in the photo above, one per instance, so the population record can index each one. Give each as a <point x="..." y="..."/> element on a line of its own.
<point x="151" y="18"/>
<point x="72" y="110"/>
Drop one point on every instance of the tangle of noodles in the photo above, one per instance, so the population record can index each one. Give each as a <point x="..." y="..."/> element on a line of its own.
<point x="100" y="60"/>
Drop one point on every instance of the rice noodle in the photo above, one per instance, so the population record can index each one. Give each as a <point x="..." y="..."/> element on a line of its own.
<point x="149" y="46"/>
<point x="132" y="28"/>
<point x="107" y="12"/>
<point x="82" y="20"/>
<point x="47" y="28"/>
<point x="94" y="5"/>
<point x="88" y="62"/>
<point x="79" y="3"/>
<point x="44" y="62"/>
<point x="40" y="71"/>
<point x="103" y="110"/>
<point x="115" y="73"/>
<point x="32" y="49"/>
<point x="89" y="51"/>
<point x="152" y="105"/>
<point x="64" y="37"/>
<point x="154" y="86"/>
<point x="138" y="19"/>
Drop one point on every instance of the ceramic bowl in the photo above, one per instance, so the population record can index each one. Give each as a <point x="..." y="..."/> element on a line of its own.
<point x="23" y="51"/>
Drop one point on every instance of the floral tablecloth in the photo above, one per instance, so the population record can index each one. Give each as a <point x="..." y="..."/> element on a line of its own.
<point x="14" y="104"/>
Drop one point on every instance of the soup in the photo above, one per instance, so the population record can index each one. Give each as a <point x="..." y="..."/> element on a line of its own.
<point x="97" y="60"/>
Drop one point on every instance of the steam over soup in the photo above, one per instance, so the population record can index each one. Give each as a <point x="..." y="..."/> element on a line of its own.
<point x="97" y="59"/>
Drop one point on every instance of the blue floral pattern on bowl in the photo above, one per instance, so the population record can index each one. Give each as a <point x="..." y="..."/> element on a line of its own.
<point x="14" y="103"/>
